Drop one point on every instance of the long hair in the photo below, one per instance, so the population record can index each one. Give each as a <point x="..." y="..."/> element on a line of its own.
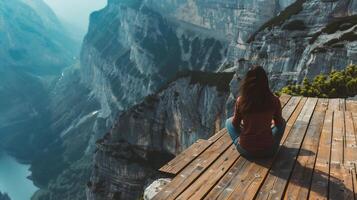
<point x="255" y="94"/>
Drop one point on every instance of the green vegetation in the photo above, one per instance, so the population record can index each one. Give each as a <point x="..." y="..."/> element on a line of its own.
<point x="340" y="84"/>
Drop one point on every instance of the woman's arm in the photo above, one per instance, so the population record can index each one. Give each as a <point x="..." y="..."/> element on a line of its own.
<point x="237" y="119"/>
<point x="277" y="116"/>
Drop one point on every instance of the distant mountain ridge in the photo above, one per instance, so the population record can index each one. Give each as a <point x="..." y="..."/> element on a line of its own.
<point x="34" y="51"/>
<point x="4" y="196"/>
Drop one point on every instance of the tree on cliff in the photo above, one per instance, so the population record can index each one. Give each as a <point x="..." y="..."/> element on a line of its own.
<point x="337" y="84"/>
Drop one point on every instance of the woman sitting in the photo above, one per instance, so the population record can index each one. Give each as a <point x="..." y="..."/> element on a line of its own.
<point x="257" y="125"/>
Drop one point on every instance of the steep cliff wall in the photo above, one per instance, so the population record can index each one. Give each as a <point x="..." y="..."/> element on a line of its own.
<point x="310" y="38"/>
<point x="147" y="135"/>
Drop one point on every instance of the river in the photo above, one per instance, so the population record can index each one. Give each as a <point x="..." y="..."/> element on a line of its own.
<point x="13" y="178"/>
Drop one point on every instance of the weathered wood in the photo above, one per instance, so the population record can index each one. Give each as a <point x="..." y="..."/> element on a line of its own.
<point x="187" y="156"/>
<point x="183" y="159"/>
<point x="342" y="105"/>
<point x="334" y="104"/>
<point x="295" y="115"/>
<point x="251" y="171"/>
<point x="284" y="99"/>
<point x="190" y="173"/>
<point x="275" y="183"/>
<point x="211" y="176"/>
<point x="218" y="135"/>
<point x="319" y="183"/>
<point x="339" y="186"/>
<point x="228" y="179"/>
<point x="350" y="142"/>
<point x="354" y="180"/>
<point x="346" y="184"/>
<point x="299" y="183"/>
<point x="351" y="106"/>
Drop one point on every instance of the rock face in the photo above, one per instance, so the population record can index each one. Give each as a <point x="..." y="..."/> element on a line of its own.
<point x="291" y="39"/>
<point x="155" y="188"/>
<point x="309" y="38"/>
<point x="147" y="135"/>
<point x="4" y="196"/>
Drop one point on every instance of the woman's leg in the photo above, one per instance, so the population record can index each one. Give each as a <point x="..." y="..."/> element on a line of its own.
<point x="233" y="132"/>
<point x="278" y="132"/>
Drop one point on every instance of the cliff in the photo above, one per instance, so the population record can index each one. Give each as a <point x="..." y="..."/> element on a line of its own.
<point x="150" y="133"/>
<point x="4" y="196"/>
<point x="308" y="38"/>
<point x="291" y="39"/>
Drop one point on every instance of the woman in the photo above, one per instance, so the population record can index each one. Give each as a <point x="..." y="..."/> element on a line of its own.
<point x="257" y="125"/>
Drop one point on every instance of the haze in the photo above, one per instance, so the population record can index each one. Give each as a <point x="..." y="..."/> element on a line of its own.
<point x="75" y="13"/>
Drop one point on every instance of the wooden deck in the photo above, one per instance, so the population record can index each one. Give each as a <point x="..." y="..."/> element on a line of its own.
<point x="316" y="160"/>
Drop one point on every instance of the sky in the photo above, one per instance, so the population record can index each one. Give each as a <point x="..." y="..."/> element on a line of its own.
<point x="76" y="12"/>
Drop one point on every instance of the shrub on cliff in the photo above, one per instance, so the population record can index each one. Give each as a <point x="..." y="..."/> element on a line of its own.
<point x="341" y="84"/>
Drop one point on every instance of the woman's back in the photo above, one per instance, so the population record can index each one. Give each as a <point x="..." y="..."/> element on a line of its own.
<point x="256" y="134"/>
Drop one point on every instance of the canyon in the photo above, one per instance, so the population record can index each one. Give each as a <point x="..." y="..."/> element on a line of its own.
<point x="154" y="76"/>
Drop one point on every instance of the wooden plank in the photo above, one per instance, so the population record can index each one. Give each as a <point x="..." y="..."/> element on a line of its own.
<point x="334" y="104"/>
<point x="347" y="184"/>
<point x="351" y="106"/>
<point x="354" y="180"/>
<point x="228" y="179"/>
<point x="275" y="183"/>
<point x="299" y="183"/>
<point x="184" y="158"/>
<point x="218" y="135"/>
<point x="234" y="178"/>
<point x="284" y="99"/>
<point x="319" y="183"/>
<point x="211" y="176"/>
<point x="290" y="123"/>
<point x="342" y="105"/>
<point x="339" y="187"/>
<point x="188" y="155"/>
<point x="243" y="169"/>
<point x="190" y="173"/>
<point x="350" y="142"/>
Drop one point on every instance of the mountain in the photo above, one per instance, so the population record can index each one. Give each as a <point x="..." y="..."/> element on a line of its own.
<point x="156" y="75"/>
<point x="291" y="39"/>
<point x="4" y="196"/>
<point x="35" y="50"/>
